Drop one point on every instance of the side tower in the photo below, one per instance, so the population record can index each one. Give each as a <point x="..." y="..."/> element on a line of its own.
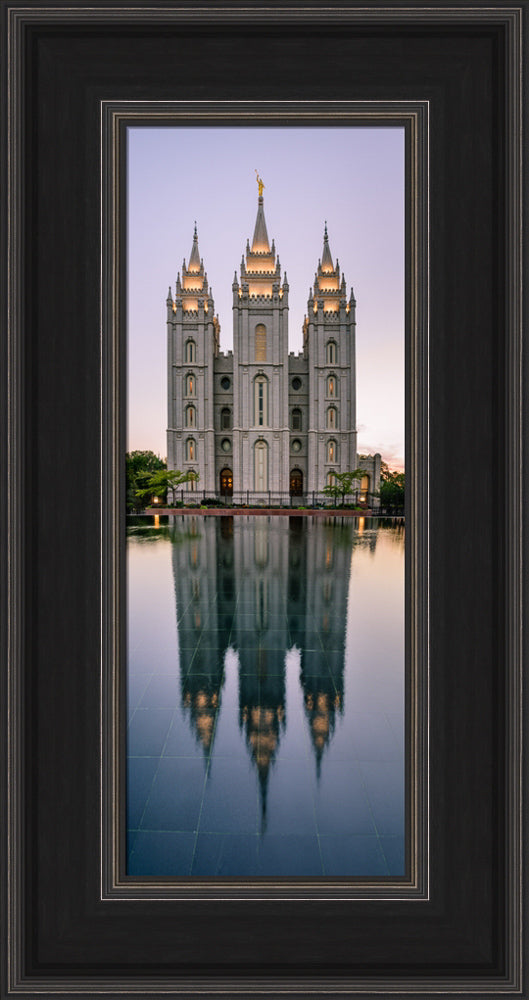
<point x="192" y="344"/>
<point x="260" y="367"/>
<point x="329" y="344"/>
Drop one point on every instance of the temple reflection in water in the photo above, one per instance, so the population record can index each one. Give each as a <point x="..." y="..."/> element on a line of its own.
<point x="263" y="593"/>
<point x="267" y="636"/>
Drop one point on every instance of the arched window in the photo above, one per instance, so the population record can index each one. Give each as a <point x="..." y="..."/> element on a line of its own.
<point x="331" y="479"/>
<point x="261" y="401"/>
<point x="260" y="342"/>
<point x="332" y="451"/>
<point x="191" y="450"/>
<point x="332" y="418"/>
<point x="191" y="416"/>
<point x="332" y="386"/>
<point x="296" y="419"/>
<point x="225" y="418"/>
<point x="330" y="352"/>
<point x="191" y="485"/>
<point x="364" y="488"/>
<point x="261" y="466"/>
<point x="191" y="385"/>
<point x="226" y="485"/>
<point x="190" y="352"/>
<point x="296" y="483"/>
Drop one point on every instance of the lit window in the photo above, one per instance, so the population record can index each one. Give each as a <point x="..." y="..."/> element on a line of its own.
<point x="191" y="352"/>
<point x="260" y="342"/>
<point x="364" y="489"/>
<point x="190" y="450"/>
<point x="331" y="451"/>
<point x="296" y="420"/>
<point x="190" y="385"/>
<point x="332" y="421"/>
<point x="331" y="386"/>
<point x="191" y="416"/>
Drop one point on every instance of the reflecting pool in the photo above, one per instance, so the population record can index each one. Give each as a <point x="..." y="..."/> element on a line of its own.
<point x="265" y="696"/>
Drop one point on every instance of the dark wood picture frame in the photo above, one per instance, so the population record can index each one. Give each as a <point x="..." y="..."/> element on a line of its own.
<point x="67" y="934"/>
<point x="117" y="117"/>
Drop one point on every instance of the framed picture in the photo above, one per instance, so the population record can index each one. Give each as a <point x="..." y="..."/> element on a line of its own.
<point x="260" y="622"/>
<point x="79" y="923"/>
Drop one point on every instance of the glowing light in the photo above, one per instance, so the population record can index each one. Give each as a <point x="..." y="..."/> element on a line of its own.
<point x="191" y="284"/>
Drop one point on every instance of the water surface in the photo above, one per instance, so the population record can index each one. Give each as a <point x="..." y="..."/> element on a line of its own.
<point x="265" y="697"/>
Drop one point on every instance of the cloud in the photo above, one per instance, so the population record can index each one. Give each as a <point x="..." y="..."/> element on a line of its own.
<point x="390" y="453"/>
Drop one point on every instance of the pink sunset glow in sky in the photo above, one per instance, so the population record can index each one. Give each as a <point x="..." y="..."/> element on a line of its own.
<point x="352" y="177"/>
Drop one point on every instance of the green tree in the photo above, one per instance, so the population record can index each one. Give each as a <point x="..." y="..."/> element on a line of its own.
<point x="343" y="484"/>
<point x="139" y="465"/>
<point x="159" y="483"/>
<point x="391" y="490"/>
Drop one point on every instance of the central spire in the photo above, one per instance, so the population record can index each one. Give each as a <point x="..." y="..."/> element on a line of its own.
<point x="260" y="243"/>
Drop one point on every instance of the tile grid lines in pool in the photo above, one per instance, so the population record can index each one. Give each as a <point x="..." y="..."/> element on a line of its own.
<point x="198" y="831"/>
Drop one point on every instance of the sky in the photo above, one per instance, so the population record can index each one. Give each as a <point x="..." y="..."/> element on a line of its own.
<point x="352" y="178"/>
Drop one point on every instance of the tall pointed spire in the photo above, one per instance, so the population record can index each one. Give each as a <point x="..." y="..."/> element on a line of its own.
<point x="329" y="286"/>
<point x="192" y="291"/>
<point x="326" y="259"/>
<point x="260" y="243"/>
<point x="194" y="259"/>
<point x="261" y="271"/>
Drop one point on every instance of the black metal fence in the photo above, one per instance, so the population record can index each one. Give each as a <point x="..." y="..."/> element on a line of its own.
<point x="271" y="499"/>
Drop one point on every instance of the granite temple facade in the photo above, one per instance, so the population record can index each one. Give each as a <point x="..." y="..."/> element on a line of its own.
<point x="260" y="420"/>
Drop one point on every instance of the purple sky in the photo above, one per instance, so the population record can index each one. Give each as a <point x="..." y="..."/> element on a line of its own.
<point x="352" y="177"/>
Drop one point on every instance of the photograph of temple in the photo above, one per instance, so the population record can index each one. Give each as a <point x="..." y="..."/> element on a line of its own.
<point x="259" y="420"/>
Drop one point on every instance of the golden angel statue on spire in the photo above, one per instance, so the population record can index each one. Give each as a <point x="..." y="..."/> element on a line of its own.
<point x="260" y="184"/>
